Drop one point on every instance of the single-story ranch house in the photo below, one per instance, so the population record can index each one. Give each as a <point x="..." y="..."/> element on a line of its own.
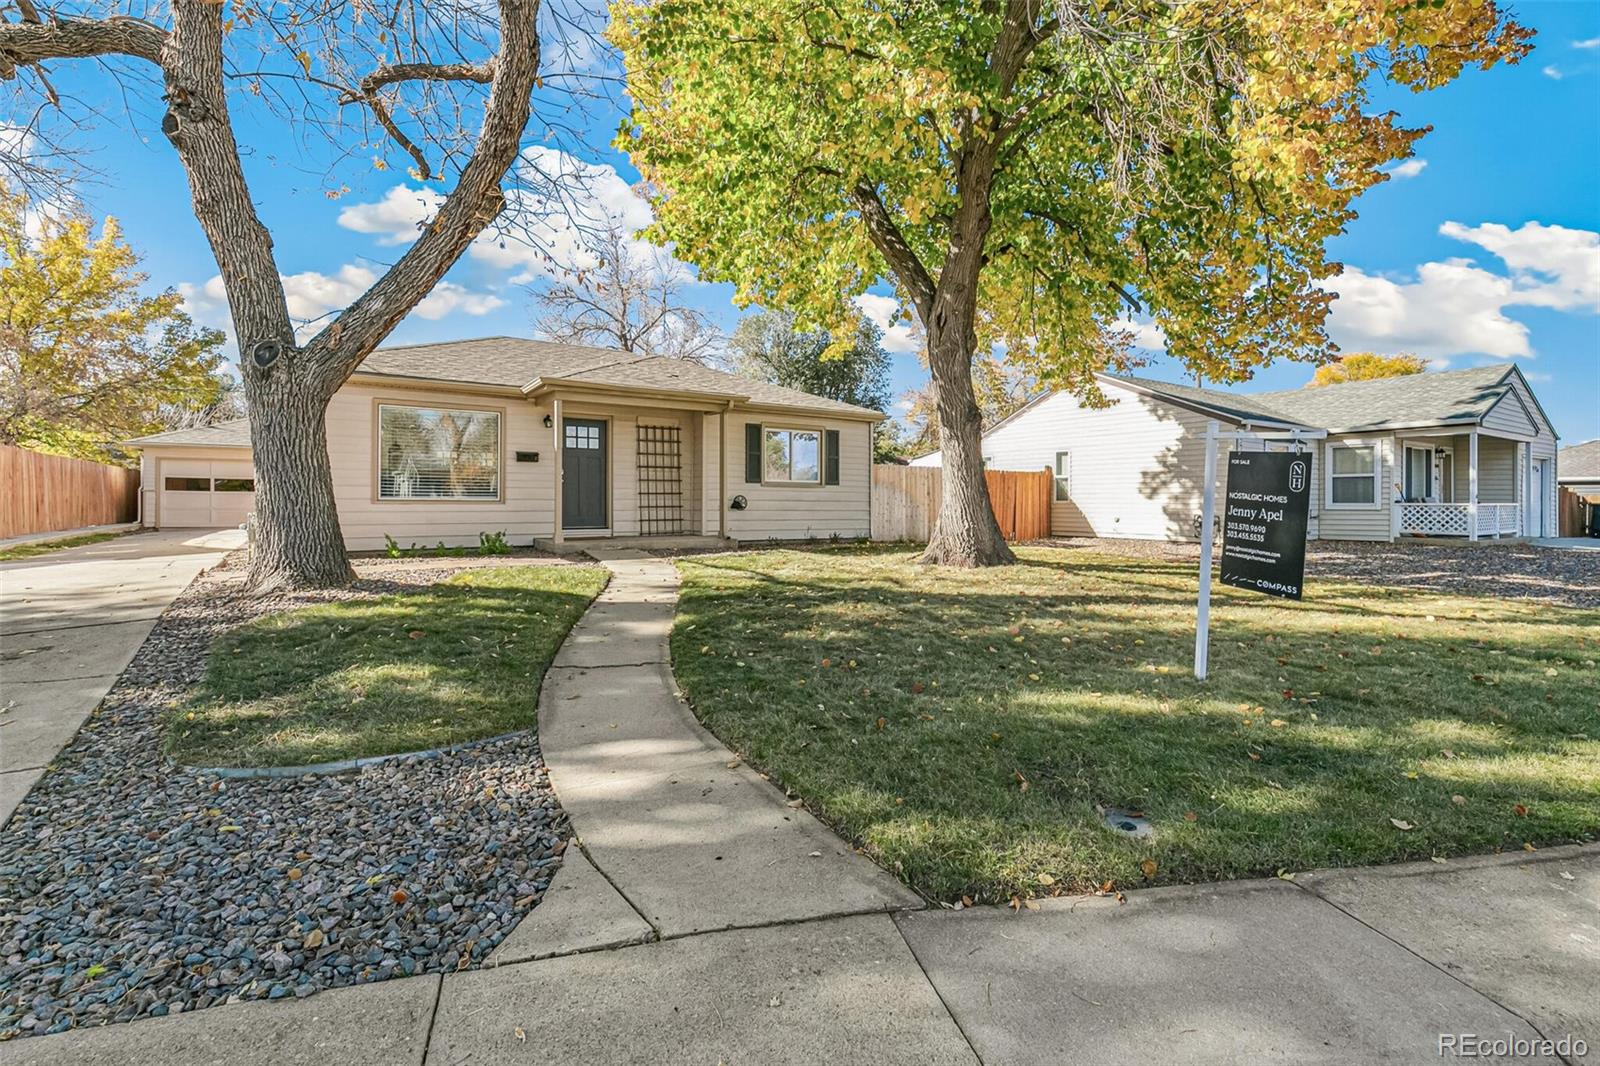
<point x="1463" y="454"/>
<point x="548" y="442"/>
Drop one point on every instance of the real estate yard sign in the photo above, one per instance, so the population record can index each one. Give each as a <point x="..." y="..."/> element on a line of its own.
<point x="1264" y="542"/>
<point x="1264" y="525"/>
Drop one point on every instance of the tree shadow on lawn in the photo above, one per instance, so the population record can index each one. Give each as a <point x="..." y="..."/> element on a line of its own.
<point x="449" y="662"/>
<point x="958" y="737"/>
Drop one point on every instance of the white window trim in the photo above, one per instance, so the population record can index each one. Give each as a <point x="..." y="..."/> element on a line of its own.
<point x="499" y="453"/>
<point x="1378" y="502"/>
<point x="1058" y="476"/>
<point x="822" y="456"/>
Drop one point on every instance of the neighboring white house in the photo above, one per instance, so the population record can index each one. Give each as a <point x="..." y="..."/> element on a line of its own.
<point x="1466" y="453"/>
<point x="549" y="442"/>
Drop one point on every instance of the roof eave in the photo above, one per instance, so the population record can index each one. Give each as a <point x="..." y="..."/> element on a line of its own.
<point x="1199" y="407"/>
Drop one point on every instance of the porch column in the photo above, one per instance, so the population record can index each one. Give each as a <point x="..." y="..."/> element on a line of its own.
<point x="1525" y="497"/>
<point x="556" y="452"/>
<point x="722" y="471"/>
<point x="1472" y="485"/>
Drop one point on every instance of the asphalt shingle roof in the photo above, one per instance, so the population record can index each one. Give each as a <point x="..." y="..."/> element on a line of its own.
<point x="1579" y="461"/>
<point x="1413" y="400"/>
<point x="516" y="361"/>
<point x="232" y="434"/>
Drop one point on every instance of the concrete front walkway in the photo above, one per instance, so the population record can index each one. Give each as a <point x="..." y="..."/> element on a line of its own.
<point x="69" y="623"/>
<point x="698" y="918"/>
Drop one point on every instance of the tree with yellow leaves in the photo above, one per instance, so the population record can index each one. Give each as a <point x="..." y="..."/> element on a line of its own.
<point x="86" y="359"/>
<point x="1024" y="172"/>
<point x="1365" y="366"/>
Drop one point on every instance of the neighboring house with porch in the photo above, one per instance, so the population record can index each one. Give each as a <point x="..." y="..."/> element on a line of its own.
<point x="1466" y="454"/>
<point x="550" y="443"/>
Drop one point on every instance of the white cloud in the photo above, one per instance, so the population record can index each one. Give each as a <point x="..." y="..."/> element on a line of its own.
<point x="1552" y="266"/>
<point x="395" y="219"/>
<point x="884" y="312"/>
<point x="1590" y="42"/>
<point x="1451" y="307"/>
<point x="1553" y="72"/>
<point x="1457" y="307"/>
<point x="312" y="295"/>
<point x="448" y="298"/>
<point x="1146" y="335"/>
<point x="1408" y="169"/>
<point x="556" y="198"/>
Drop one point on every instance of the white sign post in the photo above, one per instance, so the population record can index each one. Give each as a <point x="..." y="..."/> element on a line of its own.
<point x="1202" y="626"/>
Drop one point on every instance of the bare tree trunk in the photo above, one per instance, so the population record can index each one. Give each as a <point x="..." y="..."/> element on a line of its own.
<point x="298" y="543"/>
<point x="966" y="533"/>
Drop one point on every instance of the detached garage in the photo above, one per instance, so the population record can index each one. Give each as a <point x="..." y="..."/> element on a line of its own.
<point x="198" y="478"/>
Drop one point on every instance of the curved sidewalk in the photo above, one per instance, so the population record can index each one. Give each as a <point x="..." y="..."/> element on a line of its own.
<point x="692" y="838"/>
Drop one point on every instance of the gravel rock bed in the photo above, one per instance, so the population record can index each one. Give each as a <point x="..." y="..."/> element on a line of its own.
<point x="130" y="887"/>
<point x="1507" y="571"/>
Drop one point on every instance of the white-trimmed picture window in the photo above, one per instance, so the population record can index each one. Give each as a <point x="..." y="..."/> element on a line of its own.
<point x="792" y="455"/>
<point x="438" y="453"/>
<point x="1063" y="476"/>
<point x="1352" y="475"/>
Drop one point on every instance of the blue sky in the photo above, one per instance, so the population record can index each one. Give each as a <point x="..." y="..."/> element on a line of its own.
<point x="1486" y="248"/>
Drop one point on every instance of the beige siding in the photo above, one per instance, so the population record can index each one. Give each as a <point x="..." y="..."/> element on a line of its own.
<point x="525" y="511"/>
<point x="798" y="512"/>
<point x="712" y="498"/>
<point x="1368" y="521"/>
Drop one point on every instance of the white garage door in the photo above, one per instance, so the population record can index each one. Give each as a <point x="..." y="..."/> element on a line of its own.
<point x="206" y="493"/>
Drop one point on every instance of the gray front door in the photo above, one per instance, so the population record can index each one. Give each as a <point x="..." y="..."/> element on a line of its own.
<point x="583" y="475"/>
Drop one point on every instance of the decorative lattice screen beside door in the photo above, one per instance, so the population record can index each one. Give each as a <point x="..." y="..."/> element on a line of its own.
<point x="660" y="480"/>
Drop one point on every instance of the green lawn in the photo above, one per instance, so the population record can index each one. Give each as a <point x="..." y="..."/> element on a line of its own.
<point x="455" y="661"/>
<point x="963" y="727"/>
<point x="45" y="547"/>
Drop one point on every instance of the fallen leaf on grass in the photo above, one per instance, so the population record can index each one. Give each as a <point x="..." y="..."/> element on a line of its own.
<point x="416" y="634"/>
<point x="1520" y="810"/>
<point x="882" y="722"/>
<point x="1401" y="824"/>
<point x="1022" y="782"/>
<point x="1148" y="868"/>
<point x="1046" y="880"/>
<point x="1459" y="800"/>
<point x="1190" y="816"/>
<point x="918" y="688"/>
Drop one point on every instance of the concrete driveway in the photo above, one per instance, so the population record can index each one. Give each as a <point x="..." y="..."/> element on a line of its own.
<point x="69" y="623"/>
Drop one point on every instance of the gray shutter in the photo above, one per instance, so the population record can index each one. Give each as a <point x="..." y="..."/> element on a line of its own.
<point x="831" y="462"/>
<point x="752" y="453"/>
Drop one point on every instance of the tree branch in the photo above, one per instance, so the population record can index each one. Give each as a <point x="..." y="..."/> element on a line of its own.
<point x="891" y="243"/>
<point x="339" y="348"/>
<point x="27" y="43"/>
<point x="394" y="74"/>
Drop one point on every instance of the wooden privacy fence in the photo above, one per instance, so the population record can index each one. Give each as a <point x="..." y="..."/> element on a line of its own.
<point x="1570" y="513"/>
<point x="41" y="493"/>
<point x="905" y="502"/>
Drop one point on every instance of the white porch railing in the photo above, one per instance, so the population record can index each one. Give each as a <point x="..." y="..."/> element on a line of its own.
<point x="1451" y="519"/>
